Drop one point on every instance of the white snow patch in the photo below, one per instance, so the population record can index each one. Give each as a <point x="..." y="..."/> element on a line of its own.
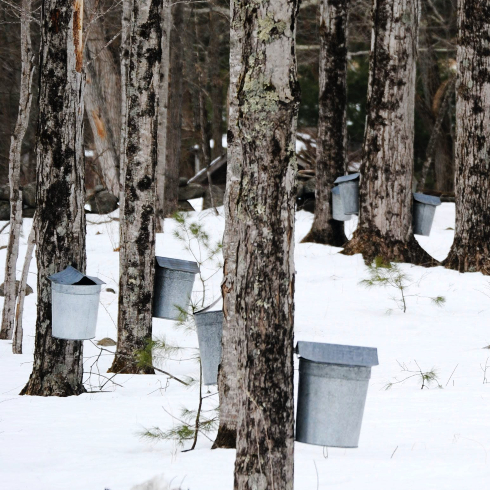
<point x="436" y="439"/>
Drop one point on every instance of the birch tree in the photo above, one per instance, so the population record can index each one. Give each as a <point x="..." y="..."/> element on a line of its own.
<point x="10" y="287"/>
<point x="332" y="129"/>
<point x="60" y="226"/>
<point x="470" y="251"/>
<point x="143" y="19"/>
<point x="265" y="130"/>
<point x="385" y="217"/>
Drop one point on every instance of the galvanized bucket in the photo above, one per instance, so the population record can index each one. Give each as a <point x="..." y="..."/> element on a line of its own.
<point x="174" y="280"/>
<point x="349" y="192"/>
<point x="74" y="304"/>
<point x="333" y="383"/>
<point x="424" y="209"/>
<point x="209" y="331"/>
<point x="338" y="207"/>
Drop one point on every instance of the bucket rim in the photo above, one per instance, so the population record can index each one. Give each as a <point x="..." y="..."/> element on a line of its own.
<point x="177" y="264"/>
<point x="426" y="199"/>
<point x="347" y="178"/>
<point x="344" y="355"/>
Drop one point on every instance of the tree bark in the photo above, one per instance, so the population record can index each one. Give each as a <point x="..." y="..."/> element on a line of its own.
<point x="163" y="116"/>
<point x="137" y="230"/>
<point x="102" y="100"/>
<point x="265" y="130"/>
<point x="470" y="251"/>
<point x="216" y="88"/>
<point x="25" y="99"/>
<point x="174" y="111"/>
<point x="436" y="132"/>
<point x="19" y="312"/>
<point x="60" y="230"/>
<point x="385" y="218"/>
<point x="332" y="128"/>
<point x="227" y="375"/>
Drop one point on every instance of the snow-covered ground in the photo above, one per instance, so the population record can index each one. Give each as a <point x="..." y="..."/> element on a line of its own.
<point x="434" y="439"/>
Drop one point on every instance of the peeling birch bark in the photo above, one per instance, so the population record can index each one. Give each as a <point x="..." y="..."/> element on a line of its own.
<point x="267" y="92"/>
<point x="332" y="121"/>
<point x="25" y="99"/>
<point x="102" y="101"/>
<point x="385" y="217"/>
<point x="137" y="230"/>
<point x="470" y="251"/>
<point x="60" y="230"/>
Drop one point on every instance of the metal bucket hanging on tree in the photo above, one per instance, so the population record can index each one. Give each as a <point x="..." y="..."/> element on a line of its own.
<point x="74" y="304"/>
<point x="349" y="192"/>
<point x="338" y="207"/>
<point x="424" y="210"/>
<point x="209" y="332"/>
<point x="174" y="280"/>
<point x="333" y="384"/>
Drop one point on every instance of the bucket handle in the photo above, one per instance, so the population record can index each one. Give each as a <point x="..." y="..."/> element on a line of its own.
<point x="208" y="307"/>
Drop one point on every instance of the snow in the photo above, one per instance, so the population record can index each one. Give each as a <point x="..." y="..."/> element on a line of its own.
<point x="431" y="439"/>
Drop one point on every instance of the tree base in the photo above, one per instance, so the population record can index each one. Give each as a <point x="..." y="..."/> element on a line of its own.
<point x="123" y="365"/>
<point x="333" y="236"/>
<point x="52" y="386"/>
<point x="226" y="438"/>
<point x="468" y="259"/>
<point x="371" y="245"/>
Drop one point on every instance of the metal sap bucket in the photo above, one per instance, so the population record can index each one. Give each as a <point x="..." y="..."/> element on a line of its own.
<point x="349" y="192"/>
<point x="74" y="304"/>
<point x="424" y="209"/>
<point x="209" y="331"/>
<point x="174" y="280"/>
<point x="338" y="207"/>
<point x="333" y="383"/>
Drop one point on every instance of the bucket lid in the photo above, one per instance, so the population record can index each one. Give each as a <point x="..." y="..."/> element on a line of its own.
<point x="70" y="276"/>
<point x="348" y="355"/>
<point x="425" y="199"/>
<point x="346" y="178"/>
<point x="177" y="265"/>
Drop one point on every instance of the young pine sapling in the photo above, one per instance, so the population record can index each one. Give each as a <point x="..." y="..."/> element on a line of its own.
<point x="385" y="274"/>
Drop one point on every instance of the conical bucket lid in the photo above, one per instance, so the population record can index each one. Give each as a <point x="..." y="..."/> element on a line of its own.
<point x="71" y="276"/>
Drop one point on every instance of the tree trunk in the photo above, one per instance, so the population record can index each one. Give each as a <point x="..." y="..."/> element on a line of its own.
<point x="137" y="231"/>
<point x="163" y="116"/>
<point x="19" y="312"/>
<point x="227" y="376"/>
<point x="471" y="247"/>
<point x="60" y="230"/>
<point x="385" y="218"/>
<point x="216" y="87"/>
<point x="174" y="111"/>
<point x="436" y="133"/>
<point x="332" y="129"/>
<point x="265" y="130"/>
<point x="25" y="99"/>
<point x="102" y="100"/>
